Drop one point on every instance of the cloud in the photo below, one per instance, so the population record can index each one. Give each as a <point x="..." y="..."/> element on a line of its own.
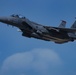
<point x="35" y="62"/>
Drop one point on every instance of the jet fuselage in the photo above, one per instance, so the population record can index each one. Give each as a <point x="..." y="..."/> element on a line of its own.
<point x="32" y="29"/>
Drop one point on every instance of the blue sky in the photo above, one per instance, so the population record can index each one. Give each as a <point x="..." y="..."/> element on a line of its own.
<point x="23" y="56"/>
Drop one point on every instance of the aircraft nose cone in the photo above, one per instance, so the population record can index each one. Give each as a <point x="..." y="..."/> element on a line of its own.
<point x="3" y="19"/>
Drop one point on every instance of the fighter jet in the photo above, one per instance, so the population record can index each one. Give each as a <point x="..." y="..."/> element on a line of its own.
<point x="31" y="29"/>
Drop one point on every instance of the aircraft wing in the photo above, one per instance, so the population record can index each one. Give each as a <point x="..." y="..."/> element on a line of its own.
<point x="60" y="29"/>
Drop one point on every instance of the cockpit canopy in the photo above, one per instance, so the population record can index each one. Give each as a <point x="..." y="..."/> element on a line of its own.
<point x="18" y="16"/>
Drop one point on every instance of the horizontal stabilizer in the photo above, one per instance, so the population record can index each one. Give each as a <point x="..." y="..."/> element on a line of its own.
<point x="62" y="24"/>
<point x="74" y="25"/>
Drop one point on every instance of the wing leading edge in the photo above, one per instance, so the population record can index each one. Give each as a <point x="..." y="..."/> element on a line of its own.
<point x="61" y="29"/>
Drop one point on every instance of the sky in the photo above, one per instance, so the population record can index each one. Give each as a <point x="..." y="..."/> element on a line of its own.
<point x="23" y="56"/>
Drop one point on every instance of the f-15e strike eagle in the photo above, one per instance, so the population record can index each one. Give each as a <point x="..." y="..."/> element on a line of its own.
<point x="31" y="29"/>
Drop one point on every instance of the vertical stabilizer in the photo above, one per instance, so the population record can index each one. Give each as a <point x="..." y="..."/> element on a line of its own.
<point x="62" y="24"/>
<point x="74" y="25"/>
<point x="73" y="34"/>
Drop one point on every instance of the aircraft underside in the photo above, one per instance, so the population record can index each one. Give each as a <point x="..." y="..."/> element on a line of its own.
<point x="55" y="37"/>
